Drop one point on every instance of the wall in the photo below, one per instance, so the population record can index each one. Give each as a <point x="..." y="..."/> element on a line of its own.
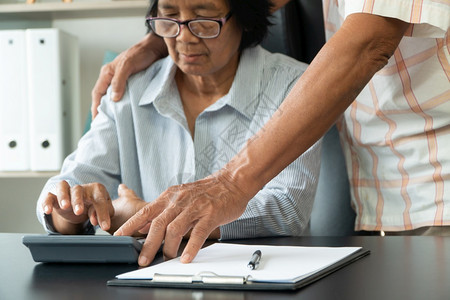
<point x="18" y="204"/>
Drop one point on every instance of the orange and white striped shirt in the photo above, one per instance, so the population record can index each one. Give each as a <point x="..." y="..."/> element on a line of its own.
<point x="396" y="134"/>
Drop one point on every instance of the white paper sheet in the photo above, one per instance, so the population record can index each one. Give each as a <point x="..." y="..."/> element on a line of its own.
<point x="286" y="264"/>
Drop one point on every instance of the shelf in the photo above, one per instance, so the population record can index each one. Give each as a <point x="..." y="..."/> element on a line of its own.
<point x="27" y="174"/>
<point x="73" y="10"/>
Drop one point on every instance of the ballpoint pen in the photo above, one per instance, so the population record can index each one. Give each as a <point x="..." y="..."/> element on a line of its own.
<point x="254" y="261"/>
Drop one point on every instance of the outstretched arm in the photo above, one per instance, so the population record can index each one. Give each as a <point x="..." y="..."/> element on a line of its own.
<point x="336" y="76"/>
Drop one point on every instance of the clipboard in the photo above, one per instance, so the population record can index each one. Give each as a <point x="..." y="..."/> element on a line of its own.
<point x="217" y="278"/>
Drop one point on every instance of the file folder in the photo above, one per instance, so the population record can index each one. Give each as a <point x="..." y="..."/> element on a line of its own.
<point x="53" y="93"/>
<point x="14" y="148"/>
<point x="224" y="266"/>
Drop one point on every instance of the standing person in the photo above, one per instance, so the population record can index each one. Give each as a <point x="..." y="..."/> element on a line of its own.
<point x="384" y="75"/>
<point x="182" y="119"/>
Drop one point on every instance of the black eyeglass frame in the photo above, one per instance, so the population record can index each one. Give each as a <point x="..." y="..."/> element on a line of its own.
<point x="220" y="21"/>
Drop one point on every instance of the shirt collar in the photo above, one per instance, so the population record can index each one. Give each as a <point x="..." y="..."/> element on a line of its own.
<point x="161" y="84"/>
<point x="243" y="93"/>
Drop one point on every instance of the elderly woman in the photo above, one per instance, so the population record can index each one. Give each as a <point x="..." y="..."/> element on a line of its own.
<point x="182" y="119"/>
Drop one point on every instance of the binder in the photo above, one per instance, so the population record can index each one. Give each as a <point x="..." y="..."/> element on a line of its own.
<point x="14" y="148"/>
<point x="224" y="266"/>
<point x="53" y="93"/>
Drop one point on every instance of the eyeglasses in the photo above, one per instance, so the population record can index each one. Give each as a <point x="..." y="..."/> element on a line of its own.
<point x="205" y="28"/>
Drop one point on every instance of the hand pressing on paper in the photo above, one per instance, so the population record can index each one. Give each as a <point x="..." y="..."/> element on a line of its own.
<point x="201" y="207"/>
<point x="71" y="207"/>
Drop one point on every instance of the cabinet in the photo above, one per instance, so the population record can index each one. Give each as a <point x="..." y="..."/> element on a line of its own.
<point x="100" y="26"/>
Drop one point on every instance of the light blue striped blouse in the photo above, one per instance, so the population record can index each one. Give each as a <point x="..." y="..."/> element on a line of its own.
<point x="144" y="142"/>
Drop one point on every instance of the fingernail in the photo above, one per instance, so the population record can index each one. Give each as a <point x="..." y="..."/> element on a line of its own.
<point x="77" y="208"/>
<point x="143" y="261"/>
<point x="64" y="203"/>
<point x="114" y="96"/>
<point x="104" y="225"/>
<point x="185" y="258"/>
<point x="118" y="232"/>
<point x="46" y="209"/>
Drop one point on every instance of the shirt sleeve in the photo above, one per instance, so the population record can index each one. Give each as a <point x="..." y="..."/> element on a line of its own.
<point x="429" y="18"/>
<point x="96" y="159"/>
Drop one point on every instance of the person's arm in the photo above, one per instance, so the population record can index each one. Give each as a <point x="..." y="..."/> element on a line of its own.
<point x="283" y="206"/>
<point x="336" y="76"/>
<point x="133" y="60"/>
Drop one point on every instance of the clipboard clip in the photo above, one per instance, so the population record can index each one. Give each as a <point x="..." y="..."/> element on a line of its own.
<point x="202" y="277"/>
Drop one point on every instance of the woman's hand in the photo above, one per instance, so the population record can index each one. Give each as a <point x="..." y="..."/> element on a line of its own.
<point x="126" y="206"/>
<point x="71" y="207"/>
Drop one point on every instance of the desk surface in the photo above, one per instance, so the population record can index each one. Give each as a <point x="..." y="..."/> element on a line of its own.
<point x="397" y="268"/>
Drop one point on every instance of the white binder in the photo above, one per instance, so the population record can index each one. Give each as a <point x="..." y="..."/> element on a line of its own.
<point x="14" y="148"/>
<point x="53" y="89"/>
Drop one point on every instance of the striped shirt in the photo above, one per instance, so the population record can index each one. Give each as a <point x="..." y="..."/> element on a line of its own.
<point x="144" y="141"/>
<point x="396" y="135"/>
